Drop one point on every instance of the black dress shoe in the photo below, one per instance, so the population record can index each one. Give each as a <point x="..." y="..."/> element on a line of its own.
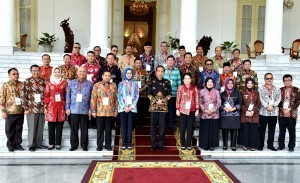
<point x="109" y="149"/>
<point x="42" y="147"/>
<point x="58" y="147"/>
<point x="153" y="148"/>
<point x="291" y="149"/>
<point x="51" y="147"/>
<point x="11" y="149"/>
<point x="32" y="149"/>
<point x="85" y="149"/>
<point x="261" y="148"/>
<point x="280" y="148"/>
<point x="73" y="148"/>
<point x="272" y="148"/>
<point x="162" y="148"/>
<point x="19" y="148"/>
<point x="99" y="149"/>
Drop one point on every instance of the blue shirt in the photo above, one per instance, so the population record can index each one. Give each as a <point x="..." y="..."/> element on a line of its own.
<point x="79" y="87"/>
<point x="214" y="75"/>
<point x="174" y="77"/>
<point x="124" y="92"/>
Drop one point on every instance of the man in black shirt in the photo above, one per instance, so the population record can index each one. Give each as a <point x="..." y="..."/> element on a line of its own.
<point x="115" y="70"/>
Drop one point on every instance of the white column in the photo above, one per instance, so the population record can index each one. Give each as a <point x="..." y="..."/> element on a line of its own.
<point x="118" y="24"/>
<point x="188" y="26"/>
<point x="7" y="31"/>
<point x="99" y="25"/>
<point x="175" y="10"/>
<point x="162" y="23"/>
<point x="273" y="27"/>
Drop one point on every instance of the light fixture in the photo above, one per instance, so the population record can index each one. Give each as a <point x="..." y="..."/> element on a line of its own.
<point x="134" y="40"/>
<point x="288" y="5"/>
<point x="139" y="8"/>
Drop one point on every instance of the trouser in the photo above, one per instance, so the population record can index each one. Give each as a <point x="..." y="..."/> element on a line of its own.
<point x="186" y="123"/>
<point x="142" y="111"/>
<point x="76" y="121"/>
<point x="290" y="124"/>
<point x="36" y="123"/>
<point x="14" y="129"/>
<point x="92" y="122"/>
<point x="126" y="125"/>
<point x="104" y="123"/>
<point x="55" y="132"/>
<point x="271" y="122"/>
<point x="172" y="111"/>
<point x="233" y="135"/>
<point x="160" y="118"/>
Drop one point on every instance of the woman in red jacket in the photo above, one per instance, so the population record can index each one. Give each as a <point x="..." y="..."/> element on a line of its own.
<point x="54" y="99"/>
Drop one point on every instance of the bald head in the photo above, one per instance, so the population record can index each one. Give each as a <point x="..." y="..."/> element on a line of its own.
<point x="81" y="73"/>
<point x="218" y="51"/>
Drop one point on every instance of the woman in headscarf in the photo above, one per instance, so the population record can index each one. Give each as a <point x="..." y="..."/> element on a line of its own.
<point x="230" y="113"/>
<point x="210" y="103"/>
<point x="128" y="95"/>
<point x="54" y="100"/>
<point x="249" y="135"/>
<point x="187" y="107"/>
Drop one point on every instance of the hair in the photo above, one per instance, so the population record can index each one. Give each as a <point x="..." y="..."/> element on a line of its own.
<point x="137" y="58"/>
<point x="186" y="74"/>
<point x="67" y="55"/>
<point x="287" y="76"/>
<point x="90" y="52"/>
<point x="163" y="42"/>
<point x="57" y="69"/>
<point x="218" y="47"/>
<point x="236" y="50"/>
<point x="208" y="60"/>
<point x="34" y="65"/>
<point x="128" y="45"/>
<point x="105" y="72"/>
<point x="114" y="46"/>
<point x="188" y="53"/>
<point x="77" y="43"/>
<point x="171" y="56"/>
<point x="198" y="47"/>
<point x="97" y="47"/>
<point x="268" y="74"/>
<point x="110" y="54"/>
<point x="246" y="61"/>
<point x="181" y="47"/>
<point x="12" y="69"/>
<point x="45" y="55"/>
<point x="160" y="66"/>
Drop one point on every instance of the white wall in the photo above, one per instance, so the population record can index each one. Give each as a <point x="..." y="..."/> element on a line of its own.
<point x="291" y="28"/>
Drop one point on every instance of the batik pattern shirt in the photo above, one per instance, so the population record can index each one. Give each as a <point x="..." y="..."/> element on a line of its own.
<point x="159" y="90"/>
<point x="160" y="59"/>
<point x="179" y="61"/>
<point x="214" y="75"/>
<point x="101" y="91"/>
<point x="77" y="60"/>
<point x="79" y="87"/>
<point x="218" y="62"/>
<point x="292" y="96"/>
<point x="101" y="61"/>
<point x="143" y="77"/>
<point x="236" y="65"/>
<point x="128" y="89"/>
<point x="68" y="73"/>
<point x="241" y="80"/>
<point x="208" y="98"/>
<point x="196" y="77"/>
<point x="185" y="95"/>
<point x="46" y="72"/>
<point x="124" y="62"/>
<point x="199" y="61"/>
<point x="92" y="72"/>
<point x="269" y="96"/>
<point x="173" y="75"/>
<point x="115" y="73"/>
<point x="33" y="87"/>
<point x="148" y="60"/>
<point x="9" y="93"/>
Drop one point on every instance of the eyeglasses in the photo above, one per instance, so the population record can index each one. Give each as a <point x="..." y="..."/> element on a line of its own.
<point x="77" y="47"/>
<point x="287" y="80"/>
<point x="209" y="64"/>
<point x="96" y="50"/>
<point x="15" y="74"/>
<point x="269" y="78"/>
<point x="114" y="50"/>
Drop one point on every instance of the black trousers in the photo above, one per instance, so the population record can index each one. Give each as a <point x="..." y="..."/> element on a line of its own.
<point x="55" y="132"/>
<point x="172" y="111"/>
<point x="142" y="111"/>
<point x="186" y="124"/>
<point x="79" y="120"/>
<point x="233" y="135"/>
<point x="263" y="122"/>
<point x="13" y="129"/>
<point x="290" y="124"/>
<point x="126" y="125"/>
<point x="104" y="123"/>
<point x="160" y="118"/>
<point x="92" y="122"/>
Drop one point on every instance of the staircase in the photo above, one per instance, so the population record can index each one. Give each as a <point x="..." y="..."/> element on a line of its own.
<point x="23" y="60"/>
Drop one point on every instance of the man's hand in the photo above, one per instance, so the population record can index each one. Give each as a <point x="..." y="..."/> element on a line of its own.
<point x="26" y="112"/>
<point x="197" y="113"/>
<point x="68" y="112"/>
<point x="177" y="112"/>
<point x="4" y="115"/>
<point x="94" y="114"/>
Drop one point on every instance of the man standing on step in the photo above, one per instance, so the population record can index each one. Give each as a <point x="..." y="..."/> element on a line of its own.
<point x="270" y="96"/>
<point x="46" y="69"/>
<point x="78" y="107"/>
<point x="68" y="71"/>
<point x="99" y="60"/>
<point x="288" y="110"/>
<point x="127" y="60"/>
<point x="77" y="59"/>
<point x="33" y="105"/>
<point x="104" y="108"/>
<point x="159" y="92"/>
<point x="113" y="69"/>
<point x="243" y="75"/>
<point x="161" y="57"/>
<point x="12" y="111"/>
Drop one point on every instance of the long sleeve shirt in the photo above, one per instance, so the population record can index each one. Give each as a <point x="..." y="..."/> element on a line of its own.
<point x="218" y="62"/>
<point x="187" y="96"/>
<point x="115" y="73"/>
<point x="77" y="60"/>
<point x="249" y="97"/>
<point x="269" y="96"/>
<point x="33" y="95"/>
<point x="292" y="96"/>
<point x="196" y="78"/>
<point x="128" y="90"/>
<point x="160" y="59"/>
<point x="92" y="72"/>
<point x="214" y="75"/>
<point x="199" y="61"/>
<point x="148" y="60"/>
<point x="79" y="89"/>
<point x="173" y="75"/>
<point x="101" y="91"/>
<point x="208" y="98"/>
<point x="10" y="101"/>
<point x="142" y="77"/>
<point x="125" y="61"/>
<point x="241" y="80"/>
<point x="159" y="90"/>
<point x="46" y="72"/>
<point x="68" y="73"/>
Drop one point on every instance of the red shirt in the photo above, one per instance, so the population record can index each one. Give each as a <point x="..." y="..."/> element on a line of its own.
<point x="185" y="95"/>
<point x="77" y="60"/>
<point x="92" y="71"/>
<point x="46" y="72"/>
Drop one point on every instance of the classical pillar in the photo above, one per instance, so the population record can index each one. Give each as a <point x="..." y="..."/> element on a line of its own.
<point x="162" y="22"/>
<point x="273" y="27"/>
<point x="7" y="31"/>
<point x="118" y="24"/>
<point x="99" y="25"/>
<point x="188" y="25"/>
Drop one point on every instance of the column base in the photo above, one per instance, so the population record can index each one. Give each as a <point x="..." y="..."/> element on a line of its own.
<point x="8" y="50"/>
<point x="274" y="58"/>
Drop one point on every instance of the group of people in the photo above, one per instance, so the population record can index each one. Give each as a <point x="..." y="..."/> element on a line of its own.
<point x="91" y="91"/>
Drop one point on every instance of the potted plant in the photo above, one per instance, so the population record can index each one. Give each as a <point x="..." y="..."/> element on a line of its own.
<point x="228" y="47"/>
<point x="47" y="41"/>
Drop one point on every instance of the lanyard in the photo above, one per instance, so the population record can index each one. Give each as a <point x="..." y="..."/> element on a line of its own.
<point x="164" y="56"/>
<point x="67" y="71"/>
<point x="36" y="84"/>
<point x="250" y="94"/>
<point x="228" y="95"/>
<point x="138" y="73"/>
<point x="129" y="87"/>
<point x="17" y="88"/>
<point x="110" y="69"/>
<point x="212" y="72"/>
<point x="170" y="72"/>
<point x="57" y="86"/>
<point x="248" y="75"/>
<point x="80" y="85"/>
<point x="269" y="90"/>
<point x="288" y="94"/>
<point x="148" y="57"/>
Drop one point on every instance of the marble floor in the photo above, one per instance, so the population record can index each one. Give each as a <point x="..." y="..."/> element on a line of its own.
<point x="68" y="170"/>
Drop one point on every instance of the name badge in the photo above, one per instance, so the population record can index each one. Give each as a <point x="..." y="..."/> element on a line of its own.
<point x="113" y="76"/>
<point x="111" y="80"/>
<point x="222" y="89"/>
<point x="79" y="97"/>
<point x="235" y="73"/>
<point x="251" y="105"/>
<point x="148" y="68"/>
<point x="18" y="101"/>
<point x="89" y="77"/>
<point x="286" y="105"/>
<point x="200" y="69"/>
<point x="37" y="98"/>
<point x="165" y="65"/>
<point x="220" y="70"/>
<point x="188" y="105"/>
<point x="210" y="106"/>
<point x="271" y="102"/>
<point x="227" y="105"/>
<point x="128" y="100"/>
<point x="105" y="101"/>
<point x="57" y="98"/>
<point x="140" y="84"/>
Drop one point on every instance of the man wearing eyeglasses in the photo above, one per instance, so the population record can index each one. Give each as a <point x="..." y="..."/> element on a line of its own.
<point x="161" y="57"/>
<point x="242" y="75"/>
<point x="99" y="60"/>
<point x="288" y="110"/>
<point x="270" y="97"/>
<point x="114" y="50"/>
<point x="209" y="72"/>
<point x="77" y="59"/>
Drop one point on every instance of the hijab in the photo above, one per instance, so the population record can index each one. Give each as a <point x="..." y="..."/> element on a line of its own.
<point x="247" y="80"/>
<point x="226" y="85"/>
<point x="125" y="71"/>
<point x="206" y="80"/>
<point x="53" y="79"/>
